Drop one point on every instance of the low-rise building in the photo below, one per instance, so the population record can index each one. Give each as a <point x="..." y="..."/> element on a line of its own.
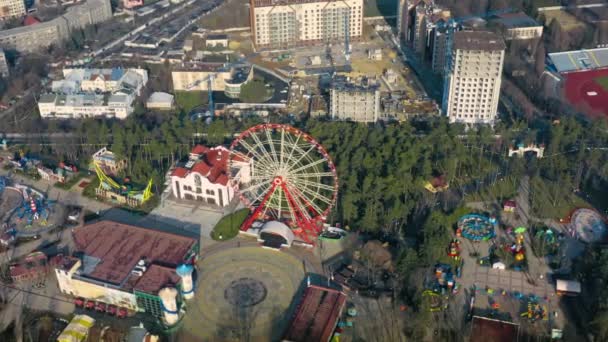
<point x="204" y="176"/>
<point x="87" y="93"/>
<point x="126" y="266"/>
<point x="188" y="45"/>
<point x="32" y="267"/>
<point x="54" y="176"/>
<point x="355" y="101"/>
<point x="35" y="37"/>
<point x="216" y="40"/>
<point x="160" y="100"/>
<point x="80" y="106"/>
<point x="518" y="26"/>
<point x="100" y="80"/>
<point x="108" y="162"/>
<point x="195" y="77"/>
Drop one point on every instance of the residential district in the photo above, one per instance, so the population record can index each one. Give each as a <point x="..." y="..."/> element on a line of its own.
<point x="303" y="170"/>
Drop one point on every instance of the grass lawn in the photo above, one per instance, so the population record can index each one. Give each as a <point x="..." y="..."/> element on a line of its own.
<point x="71" y="182"/>
<point x="234" y="13"/>
<point x="377" y="8"/>
<point x="190" y="99"/>
<point x="550" y="200"/>
<point x="229" y="225"/>
<point x="603" y="82"/>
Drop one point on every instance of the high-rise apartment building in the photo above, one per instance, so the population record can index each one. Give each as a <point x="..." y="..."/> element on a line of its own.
<point x="286" y="23"/>
<point x="356" y="101"/>
<point x="11" y="8"/>
<point x="472" y="86"/>
<point x="422" y="25"/>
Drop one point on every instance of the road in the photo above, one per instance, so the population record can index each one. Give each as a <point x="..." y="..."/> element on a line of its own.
<point x="158" y="21"/>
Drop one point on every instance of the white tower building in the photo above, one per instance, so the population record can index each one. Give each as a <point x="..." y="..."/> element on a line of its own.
<point x="185" y="272"/>
<point x="169" y="305"/>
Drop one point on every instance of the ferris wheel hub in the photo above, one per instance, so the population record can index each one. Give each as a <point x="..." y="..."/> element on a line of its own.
<point x="278" y="180"/>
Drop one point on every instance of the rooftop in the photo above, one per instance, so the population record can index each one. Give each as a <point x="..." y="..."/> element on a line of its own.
<point x="317" y="315"/>
<point x="160" y="97"/>
<point x="208" y="162"/>
<point x="364" y="84"/>
<point x="217" y="37"/>
<point x="514" y="20"/>
<point x="155" y="278"/>
<point x="264" y="3"/>
<point x="112" y="249"/>
<point x="478" y="40"/>
<point x="491" y="330"/>
<point x="579" y="60"/>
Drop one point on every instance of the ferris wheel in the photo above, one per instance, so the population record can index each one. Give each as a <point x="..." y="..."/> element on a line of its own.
<point x="285" y="175"/>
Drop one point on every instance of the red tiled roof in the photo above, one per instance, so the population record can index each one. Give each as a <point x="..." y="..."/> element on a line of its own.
<point x="211" y="165"/>
<point x="155" y="278"/>
<point x="120" y="246"/>
<point x="317" y="315"/>
<point x="510" y="203"/>
<point x="491" y="330"/>
<point x="32" y="264"/>
<point x="199" y="149"/>
<point x="180" y="172"/>
<point x="201" y="167"/>
<point x="30" y="20"/>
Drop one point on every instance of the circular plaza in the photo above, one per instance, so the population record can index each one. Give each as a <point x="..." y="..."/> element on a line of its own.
<point x="243" y="291"/>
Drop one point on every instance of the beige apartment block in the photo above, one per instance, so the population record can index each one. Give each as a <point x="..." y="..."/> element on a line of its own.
<point x="286" y="23"/>
<point x="472" y="88"/>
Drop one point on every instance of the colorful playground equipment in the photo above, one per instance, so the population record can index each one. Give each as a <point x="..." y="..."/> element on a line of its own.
<point x="122" y="194"/>
<point x="444" y="282"/>
<point x="476" y="227"/>
<point x="535" y="312"/>
<point x="434" y="301"/>
<point x="34" y="208"/>
<point x="454" y="250"/>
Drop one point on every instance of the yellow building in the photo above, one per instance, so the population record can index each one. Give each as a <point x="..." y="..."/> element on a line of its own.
<point x="124" y="265"/>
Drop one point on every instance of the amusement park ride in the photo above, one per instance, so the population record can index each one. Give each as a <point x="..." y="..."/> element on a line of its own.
<point x="109" y="188"/>
<point x="34" y="206"/>
<point x="291" y="178"/>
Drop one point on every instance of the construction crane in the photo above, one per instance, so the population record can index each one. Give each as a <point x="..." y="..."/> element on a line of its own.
<point x="211" y="105"/>
<point x="347" y="37"/>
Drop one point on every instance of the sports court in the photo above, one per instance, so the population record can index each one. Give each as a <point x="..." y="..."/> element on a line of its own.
<point x="585" y="74"/>
<point x="588" y="90"/>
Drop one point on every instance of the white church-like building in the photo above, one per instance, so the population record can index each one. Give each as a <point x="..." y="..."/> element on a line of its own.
<point x="204" y="177"/>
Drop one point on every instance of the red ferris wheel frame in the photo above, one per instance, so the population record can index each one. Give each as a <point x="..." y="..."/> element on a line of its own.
<point x="307" y="216"/>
